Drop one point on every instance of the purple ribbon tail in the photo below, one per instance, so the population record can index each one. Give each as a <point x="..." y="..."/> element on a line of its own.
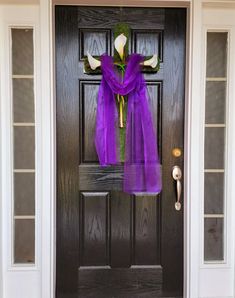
<point x="142" y="172"/>
<point x="105" y="135"/>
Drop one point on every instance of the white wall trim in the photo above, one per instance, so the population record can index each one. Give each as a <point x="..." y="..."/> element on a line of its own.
<point x="1" y="178"/>
<point x="218" y="279"/>
<point x="17" y="280"/>
<point x="132" y="3"/>
<point x="48" y="148"/>
<point x="192" y="134"/>
<point x="199" y="279"/>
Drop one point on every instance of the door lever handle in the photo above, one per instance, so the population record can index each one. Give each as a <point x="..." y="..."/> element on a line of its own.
<point x="177" y="175"/>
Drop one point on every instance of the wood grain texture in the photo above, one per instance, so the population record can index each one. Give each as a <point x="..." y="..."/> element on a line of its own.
<point x="88" y="107"/>
<point x="172" y="136"/>
<point x="95" y="229"/>
<point x="148" y="42"/>
<point x="138" y="18"/>
<point x="98" y="226"/>
<point x="121" y="229"/>
<point x="96" y="42"/>
<point x="97" y="178"/>
<point x="133" y="282"/>
<point x="67" y="109"/>
<point x="154" y="89"/>
<point x="147" y="230"/>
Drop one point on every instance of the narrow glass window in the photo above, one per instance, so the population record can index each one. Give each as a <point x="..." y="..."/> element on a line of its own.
<point x="23" y="145"/>
<point x="215" y="146"/>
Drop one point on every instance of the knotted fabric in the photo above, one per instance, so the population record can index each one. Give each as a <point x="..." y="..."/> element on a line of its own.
<point x="141" y="165"/>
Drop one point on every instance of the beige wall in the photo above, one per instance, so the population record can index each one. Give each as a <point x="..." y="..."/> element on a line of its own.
<point x="19" y="2"/>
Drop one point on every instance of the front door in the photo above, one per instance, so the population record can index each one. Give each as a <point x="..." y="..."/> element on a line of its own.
<point x="109" y="243"/>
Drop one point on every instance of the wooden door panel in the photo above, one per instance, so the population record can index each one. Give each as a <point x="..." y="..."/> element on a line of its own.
<point x="96" y="178"/>
<point x="147" y="43"/>
<point x="88" y="105"/>
<point x="95" y="229"/>
<point x="172" y="137"/>
<point x="121" y="230"/>
<point x="108" y="17"/>
<point x="147" y="230"/>
<point x="135" y="234"/>
<point x="111" y="244"/>
<point x="94" y="41"/>
<point x="120" y="283"/>
<point x="67" y="124"/>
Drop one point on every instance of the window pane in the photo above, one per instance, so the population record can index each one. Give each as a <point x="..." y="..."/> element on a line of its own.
<point x="23" y="100"/>
<point x="23" y="128"/>
<point x="22" y="51"/>
<point x="216" y="54"/>
<point x="215" y="102"/>
<point x="214" y="193"/>
<point x="24" y="241"/>
<point x="24" y="193"/>
<point x="213" y="239"/>
<point x="214" y="148"/>
<point x="24" y="148"/>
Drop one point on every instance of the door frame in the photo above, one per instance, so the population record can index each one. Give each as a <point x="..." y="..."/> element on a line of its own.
<point x="196" y="275"/>
<point x="191" y="167"/>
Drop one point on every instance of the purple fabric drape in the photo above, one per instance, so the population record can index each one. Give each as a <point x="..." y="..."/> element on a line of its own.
<point x="141" y="166"/>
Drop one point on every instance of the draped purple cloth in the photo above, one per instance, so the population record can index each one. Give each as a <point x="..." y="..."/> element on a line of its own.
<point x="141" y="167"/>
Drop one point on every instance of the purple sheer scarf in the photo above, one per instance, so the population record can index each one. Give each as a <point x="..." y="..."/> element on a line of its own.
<point x="141" y="167"/>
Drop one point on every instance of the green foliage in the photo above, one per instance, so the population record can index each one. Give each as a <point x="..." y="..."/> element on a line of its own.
<point x="145" y="69"/>
<point x="119" y="29"/>
<point x="148" y="69"/>
<point x="87" y="68"/>
<point x="122" y="130"/>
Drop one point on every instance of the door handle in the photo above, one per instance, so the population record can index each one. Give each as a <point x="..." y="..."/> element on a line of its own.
<point x="177" y="175"/>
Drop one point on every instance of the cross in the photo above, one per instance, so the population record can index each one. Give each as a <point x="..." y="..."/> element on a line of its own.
<point x="121" y="50"/>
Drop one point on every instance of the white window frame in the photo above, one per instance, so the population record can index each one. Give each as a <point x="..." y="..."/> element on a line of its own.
<point x="227" y="197"/>
<point x="18" y="280"/>
<point x="12" y="264"/>
<point x="216" y="279"/>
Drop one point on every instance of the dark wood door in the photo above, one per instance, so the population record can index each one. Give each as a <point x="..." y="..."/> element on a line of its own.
<point x="110" y="244"/>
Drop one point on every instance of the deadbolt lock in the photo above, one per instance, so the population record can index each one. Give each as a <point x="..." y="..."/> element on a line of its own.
<point x="176" y="152"/>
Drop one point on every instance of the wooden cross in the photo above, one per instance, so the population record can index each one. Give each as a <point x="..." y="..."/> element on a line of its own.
<point x="151" y="64"/>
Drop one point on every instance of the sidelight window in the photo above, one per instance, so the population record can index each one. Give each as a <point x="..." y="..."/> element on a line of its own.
<point x="215" y="147"/>
<point x="23" y="132"/>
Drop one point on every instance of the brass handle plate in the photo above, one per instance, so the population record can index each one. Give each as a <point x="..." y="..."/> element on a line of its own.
<point x="177" y="175"/>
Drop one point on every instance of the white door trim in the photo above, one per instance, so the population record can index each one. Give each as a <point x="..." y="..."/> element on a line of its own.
<point x="49" y="153"/>
<point x="191" y="168"/>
